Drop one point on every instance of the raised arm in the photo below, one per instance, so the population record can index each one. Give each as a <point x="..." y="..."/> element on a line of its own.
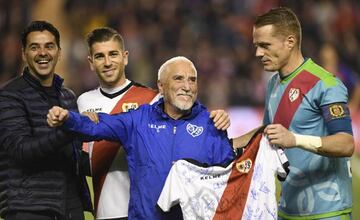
<point x="109" y="127"/>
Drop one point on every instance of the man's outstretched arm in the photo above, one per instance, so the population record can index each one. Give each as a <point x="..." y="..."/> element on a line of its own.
<point x="109" y="127"/>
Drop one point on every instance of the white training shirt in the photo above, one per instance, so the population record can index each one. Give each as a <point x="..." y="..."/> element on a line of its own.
<point x="199" y="190"/>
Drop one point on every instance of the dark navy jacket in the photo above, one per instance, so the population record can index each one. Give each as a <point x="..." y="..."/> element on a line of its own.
<point x="153" y="141"/>
<point x="37" y="162"/>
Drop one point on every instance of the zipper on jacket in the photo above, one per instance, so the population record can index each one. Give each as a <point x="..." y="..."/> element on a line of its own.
<point x="173" y="145"/>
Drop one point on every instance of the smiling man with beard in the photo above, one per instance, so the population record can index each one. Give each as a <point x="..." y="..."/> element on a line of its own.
<point x="40" y="167"/>
<point x="177" y="82"/>
<point x="116" y="93"/>
<point x="155" y="136"/>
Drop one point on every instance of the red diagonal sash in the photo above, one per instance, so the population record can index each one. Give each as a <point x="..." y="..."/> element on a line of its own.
<point x="104" y="152"/>
<point x="233" y="200"/>
<point x="293" y="96"/>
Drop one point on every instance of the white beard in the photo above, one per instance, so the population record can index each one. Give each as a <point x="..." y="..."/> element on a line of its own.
<point x="183" y="105"/>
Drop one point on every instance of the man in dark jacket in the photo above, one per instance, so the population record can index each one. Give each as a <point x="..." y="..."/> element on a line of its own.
<point x="41" y="176"/>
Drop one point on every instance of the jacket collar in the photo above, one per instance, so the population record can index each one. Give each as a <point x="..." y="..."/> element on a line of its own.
<point x="195" y="110"/>
<point x="57" y="81"/>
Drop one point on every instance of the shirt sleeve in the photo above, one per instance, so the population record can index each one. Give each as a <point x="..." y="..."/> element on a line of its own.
<point x="219" y="146"/>
<point x="116" y="127"/>
<point x="171" y="192"/>
<point x="333" y="93"/>
<point x="222" y="150"/>
<point x="334" y="108"/>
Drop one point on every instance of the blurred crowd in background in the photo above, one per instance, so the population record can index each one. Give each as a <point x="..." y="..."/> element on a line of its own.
<point x="215" y="34"/>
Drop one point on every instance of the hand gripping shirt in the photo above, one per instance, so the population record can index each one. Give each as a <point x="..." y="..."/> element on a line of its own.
<point x="152" y="142"/>
<point x="109" y="168"/>
<point x="317" y="186"/>
<point x="244" y="189"/>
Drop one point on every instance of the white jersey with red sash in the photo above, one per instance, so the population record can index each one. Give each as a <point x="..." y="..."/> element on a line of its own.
<point x="244" y="189"/>
<point x="317" y="186"/>
<point x="108" y="162"/>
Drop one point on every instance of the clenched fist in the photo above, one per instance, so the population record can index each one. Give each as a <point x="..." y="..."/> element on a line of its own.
<point x="57" y="116"/>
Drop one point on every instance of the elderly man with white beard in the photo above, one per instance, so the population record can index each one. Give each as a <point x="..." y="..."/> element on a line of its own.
<point x="155" y="136"/>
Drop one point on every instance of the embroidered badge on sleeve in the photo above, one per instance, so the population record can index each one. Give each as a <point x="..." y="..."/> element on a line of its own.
<point x="335" y="111"/>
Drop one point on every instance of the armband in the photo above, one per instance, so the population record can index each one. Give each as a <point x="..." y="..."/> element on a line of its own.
<point x="337" y="118"/>
<point x="308" y="142"/>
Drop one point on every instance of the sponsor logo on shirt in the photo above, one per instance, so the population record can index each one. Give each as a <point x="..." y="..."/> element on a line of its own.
<point x="127" y="106"/>
<point x="194" y="130"/>
<point x="94" y="109"/>
<point x="208" y="177"/>
<point x="294" y="94"/>
<point x="244" y="166"/>
<point x="157" y="127"/>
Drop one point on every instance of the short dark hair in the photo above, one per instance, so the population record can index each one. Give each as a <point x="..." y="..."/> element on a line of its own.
<point x="40" y="26"/>
<point x="103" y="34"/>
<point x="283" y="19"/>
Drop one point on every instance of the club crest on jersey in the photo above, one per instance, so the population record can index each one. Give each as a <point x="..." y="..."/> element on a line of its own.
<point x="336" y="111"/>
<point x="294" y="94"/>
<point x="244" y="166"/>
<point x="194" y="130"/>
<point x="129" y="106"/>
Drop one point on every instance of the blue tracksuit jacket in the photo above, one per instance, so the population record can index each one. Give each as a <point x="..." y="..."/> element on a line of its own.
<point x="153" y="141"/>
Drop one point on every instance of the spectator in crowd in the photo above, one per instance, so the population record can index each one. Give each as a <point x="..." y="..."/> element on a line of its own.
<point x="215" y="34"/>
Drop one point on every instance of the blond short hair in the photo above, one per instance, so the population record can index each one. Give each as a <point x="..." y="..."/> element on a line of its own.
<point x="284" y="20"/>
